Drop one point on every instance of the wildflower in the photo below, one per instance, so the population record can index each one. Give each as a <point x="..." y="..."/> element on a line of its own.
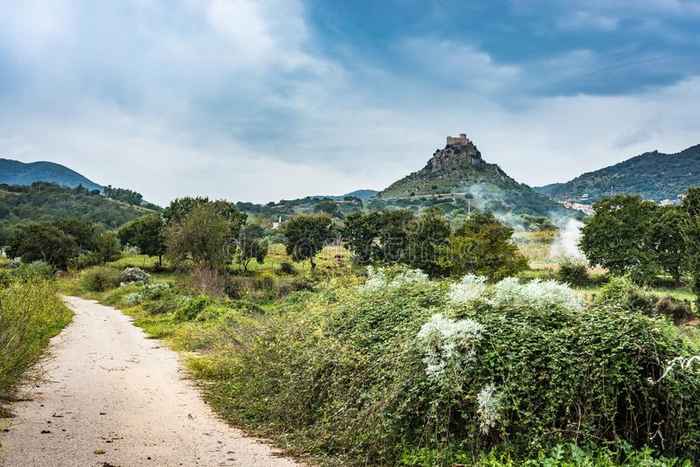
<point x="535" y="294"/>
<point x="467" y="290"/>
<point x="448" y="344"/>
<point x="488" y="403"/>
<point x="413" y="276"/>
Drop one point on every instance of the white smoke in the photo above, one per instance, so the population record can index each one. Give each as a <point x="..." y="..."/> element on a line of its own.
<point x="566" y="244"/>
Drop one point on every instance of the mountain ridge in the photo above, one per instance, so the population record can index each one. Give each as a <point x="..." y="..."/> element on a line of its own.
<point x="654" y="175"/>
<point x="14" y="172"/>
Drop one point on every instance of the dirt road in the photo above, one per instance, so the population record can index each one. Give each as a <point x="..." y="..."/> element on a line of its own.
<point x="111" y="397"/>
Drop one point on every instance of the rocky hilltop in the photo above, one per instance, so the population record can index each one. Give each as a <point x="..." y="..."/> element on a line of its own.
<point x="459" y="171"/>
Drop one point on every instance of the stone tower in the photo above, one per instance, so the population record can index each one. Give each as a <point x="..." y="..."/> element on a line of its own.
<point x="461" y="139"/>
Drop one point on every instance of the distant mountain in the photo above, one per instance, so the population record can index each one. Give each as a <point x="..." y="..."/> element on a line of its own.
<point x="459" y="172"/>
<point x="652" y="175"/>
<point x="362" y="194"/>
<point x="19" y="173"/>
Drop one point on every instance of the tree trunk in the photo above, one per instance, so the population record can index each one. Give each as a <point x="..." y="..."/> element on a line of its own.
<point x="313" y="265"/>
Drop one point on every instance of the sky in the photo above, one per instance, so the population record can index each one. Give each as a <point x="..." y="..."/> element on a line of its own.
<point x="262" y="100"/>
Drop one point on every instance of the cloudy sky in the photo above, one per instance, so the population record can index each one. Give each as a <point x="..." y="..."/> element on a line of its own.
<point x="260" y="100"/>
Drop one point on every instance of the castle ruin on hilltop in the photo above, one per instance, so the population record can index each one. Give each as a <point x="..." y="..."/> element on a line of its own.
<point x="461" y="139"/>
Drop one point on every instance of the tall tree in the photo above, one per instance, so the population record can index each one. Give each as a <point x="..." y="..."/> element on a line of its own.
<point x="482" y="246"/>
<point x="360" y="233"/>
<point x="617" y="236"/>
<point x="428" y="232"/>
<point x="203" y="237"/>
<point x="393" y="236"/>
<point x="691" y="235"/>
<point x="82" y="231"/>
<point x="306" y="234"/>
<point x="147" y="233"/>
<point x="668" y="243"/>
<point x="251" y="245"/>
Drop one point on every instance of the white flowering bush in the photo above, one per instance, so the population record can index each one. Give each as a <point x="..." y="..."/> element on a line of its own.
<point x="448" y="345"/>
<point x="133" y="298"/>
<point x="535" y="294"/>
<point x="488" y="403"/>
<point x="466" y="291"/>
<point x="378" y="279"/>
<point x="413" y="276"/>
<point x="135" y="275"/>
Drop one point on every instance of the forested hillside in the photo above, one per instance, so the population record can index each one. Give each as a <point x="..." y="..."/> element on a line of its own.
<point x="652" y="175"/>
<point x="47" y="201"/>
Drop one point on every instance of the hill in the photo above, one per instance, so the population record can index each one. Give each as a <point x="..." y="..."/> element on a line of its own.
<point x="653" y="175"/>
<point x="458" y="172"/>
<point x="361" y="194"/>
<point x="19" y="173"/>
<point x="41" y="201"/>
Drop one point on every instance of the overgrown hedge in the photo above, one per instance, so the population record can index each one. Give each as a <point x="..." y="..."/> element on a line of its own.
<point x="407" y="371"/>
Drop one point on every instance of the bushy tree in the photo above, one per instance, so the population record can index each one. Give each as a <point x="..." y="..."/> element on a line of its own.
<point x="82" y="231"/>
<point x="691" y="235"/>
<point x="43" y="242"/>
<point x="147" y="233"/>
<point x="360" y="233"/>
<point x="482" y="246"/>
<point x="203" y="236"/>
<point x="328" y="206"/>
<point x="306" y="234"/>
<point x="107" y="246"/>
<point x="428" y="232"/>
<point x="251" y="244"/>
<point x="617" y="236"/>
<point x="667" y="241"/>
<point x="393" y="236"/>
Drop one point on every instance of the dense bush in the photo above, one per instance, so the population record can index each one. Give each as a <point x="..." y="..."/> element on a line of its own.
<point x="192" y="308"/>
<point x="135" y="275"/>
<point x="287" y="268"/>
<point x="100" y="278"/>
<point x="30" y="313"/>
<point x="677" y="310"/>
<point x="573" y="272"/>
<point x="408" y="371"/>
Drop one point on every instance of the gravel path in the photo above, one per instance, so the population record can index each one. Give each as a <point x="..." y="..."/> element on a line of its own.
<point x="111" y="397"/>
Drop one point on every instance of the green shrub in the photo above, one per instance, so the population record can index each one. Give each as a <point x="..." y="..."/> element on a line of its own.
<point x="35" y="269"/>
<point x="100" y="278"/>
<point x="404" y="370"/>
<point x="622" y="293"/>
<point x="192" y="308"/>
<point x="677" y="310"/>
<point x="31" y="312"/>
<point x="135" y="275"/>
<point x="85" y="261"/>
<point x="574" y="273"/>
<point x="287" y="268"/>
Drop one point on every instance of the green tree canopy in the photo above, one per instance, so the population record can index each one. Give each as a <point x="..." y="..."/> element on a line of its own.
<point x="306" y="234"/>
<point x="82" y="231"/>
<point x="617" y="236"/>
<point x="203" y="236"/>
<point x="482" y="246"/>
<point x="667" y="241"/>
<point x="147" y="233"/>
<point x="43" y="242"/>
<point x="251" y="244"/>
<point x="393" y="236"/>
<point x="428" y="232"/>
<point x="360" y="233"/>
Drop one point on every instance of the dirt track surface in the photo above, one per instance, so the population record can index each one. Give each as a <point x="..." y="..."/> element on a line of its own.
<point x="111" y="397"/>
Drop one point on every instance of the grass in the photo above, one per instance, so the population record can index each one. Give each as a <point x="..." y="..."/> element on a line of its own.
<point x="31" y="313"/>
